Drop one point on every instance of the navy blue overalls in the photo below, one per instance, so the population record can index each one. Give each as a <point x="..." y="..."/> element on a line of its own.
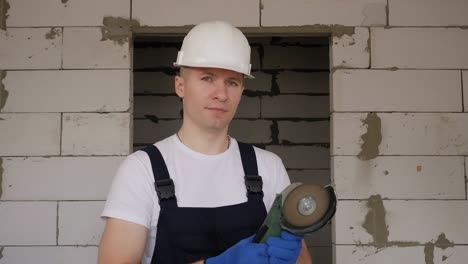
<point x="189" y="234"/>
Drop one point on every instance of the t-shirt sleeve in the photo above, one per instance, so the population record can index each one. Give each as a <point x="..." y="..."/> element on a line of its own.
<point x="279" y="181"/>
<point x="131" y="194"/>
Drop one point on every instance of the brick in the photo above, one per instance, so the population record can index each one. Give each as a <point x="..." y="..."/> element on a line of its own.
<point x="21" y="222"/>
<point x="150" y="57"/>
<point x="347" y="254"/>
<point x="351" y="51"/>
<point x="304" y="131"/>
<point x="77" y="90"/>
<point x="424" y="177"/>
<point x="401" y="90"/>
<point x="292" y="57"/>
<point x="248" y="131"/>
<point x="324" y="12"/>
<point x="148" y="132"/>
<point x="320" y="177"/>
<point x="303" y="157"/>
<point x="261" y="83"/>
<point x="96" y="134"/>
<point x="321" y="254"/>
<point x="417" y="221"/>
<point x="159" y="106"/>
<point x="58" y="178"/>
<point x="80" y="223"/>
<point x="303" y="82"/>
<point x="150" y="13"/>
<point x="428" y="13"/>
<point x="295" y="106"/>
<point x="465" y="91"/>
<point x="24" y="13"/>
<point x="29" y="134"/>
<point x="249" y="107"/>
<point x="50" y="255"/>
<point x="83" y="48"/>
<point x="402" y="134"/>
<point x="255" y="58"/>
<point x="153" y="83"/>
<point x="421" y="48"/>
<point x="30" y="48"/>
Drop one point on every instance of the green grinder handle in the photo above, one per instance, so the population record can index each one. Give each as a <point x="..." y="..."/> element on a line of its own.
<point x="272" y="224"/>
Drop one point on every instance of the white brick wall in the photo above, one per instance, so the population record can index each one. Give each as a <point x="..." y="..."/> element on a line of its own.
<point x="180" y="13"/>
<point x="30" y="48"/>
<point x="403" y="90"/>
<point x="351" y="51"/>
<point x="428" y="13"/>
<point x="30" y="134"/>
<point x="62" y="91"/>
<point x="58" y="178"/>
<point x="25" y="13"/>
<point x="323" y="12"/>
<point x="49" y="255"/>
<point x="420" y="48"/>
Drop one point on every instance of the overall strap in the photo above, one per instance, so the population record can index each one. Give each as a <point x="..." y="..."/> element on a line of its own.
<point x="162" y="181"/>
<point x="253" y="182"/>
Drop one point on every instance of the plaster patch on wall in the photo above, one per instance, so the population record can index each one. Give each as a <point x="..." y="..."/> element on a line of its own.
<point x="375" y="223"/>
<point x="442" y="242"/>
<point x="53" y="33"/>
<point x="3" y="91"/>
<point x="339" y="31"/>
<point x="372" y="138"/>
<point x="118" y="29"/>
<point x="64" y="1"/>
<point x="4" y="6"/>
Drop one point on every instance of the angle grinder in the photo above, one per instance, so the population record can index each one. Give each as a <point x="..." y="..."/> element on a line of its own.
<point x="300" y="209"/>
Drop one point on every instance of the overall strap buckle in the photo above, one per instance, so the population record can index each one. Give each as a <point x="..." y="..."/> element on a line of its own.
<point x="254" y="184"/>
<point x="165" y="189"/>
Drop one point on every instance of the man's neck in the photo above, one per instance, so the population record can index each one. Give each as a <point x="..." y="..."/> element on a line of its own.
<point x="210" y="143"/>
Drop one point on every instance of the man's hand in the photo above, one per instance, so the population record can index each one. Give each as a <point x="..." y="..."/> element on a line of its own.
<point x="122" y="242"/>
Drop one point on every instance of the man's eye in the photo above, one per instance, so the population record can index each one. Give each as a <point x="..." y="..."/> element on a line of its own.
<point x="232" y="83"/>
<point x="207" y="78"/>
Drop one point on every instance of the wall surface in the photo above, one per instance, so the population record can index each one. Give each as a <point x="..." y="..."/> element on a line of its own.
<point x="399" y="137"/>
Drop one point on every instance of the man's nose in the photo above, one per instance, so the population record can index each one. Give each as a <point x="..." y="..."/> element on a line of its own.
<point x="221" y="91"/>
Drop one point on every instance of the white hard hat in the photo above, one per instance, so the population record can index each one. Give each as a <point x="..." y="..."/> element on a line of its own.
<point x="215" y="44"/>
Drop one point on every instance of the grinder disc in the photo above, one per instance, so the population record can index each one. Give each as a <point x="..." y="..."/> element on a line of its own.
<point x="316" y="194"/>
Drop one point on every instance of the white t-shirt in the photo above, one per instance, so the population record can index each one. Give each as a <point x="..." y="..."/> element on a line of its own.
<point x="200" y="180"/>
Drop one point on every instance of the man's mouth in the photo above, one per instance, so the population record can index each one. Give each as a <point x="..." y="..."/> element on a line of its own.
<point x="218" y="109"/>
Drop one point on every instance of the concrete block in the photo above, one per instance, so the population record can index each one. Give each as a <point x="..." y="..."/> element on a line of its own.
<point x="30" y="134"/>
<point x="159" y="106"/>
<point x="28" y="223"/>
<point x="348" y="254"/>
<point x="249" y="107"/>
<point x="25" y="13"/>
<point x="401" y="134"/>
<point x="295" y="106"/>
<point x="80" y="223"/>
<point x="428" y="13"/>
<point x="73" y="91"/>
<point x="304" y="131"/>
<point x="321" y="254"/>
<point x="153" y="83"/>
<point x="424" y="177"/>
<point x="148" y="132"/>
<point x="320" y="177"/>
<point x="294" y="57"/>
<point x="151" y="57"/>
<point x="58" y="178"/>
<point x="248" y="131"/>
<point x="96" y="134"/>
<point x="351" y="51"/>
<point x="420" y="48"/>
<point x="419" y="222"/>
<point x="50" y="255"/>
<point x="291" y="82"/>
<point x="31" y="48"/>
<point x="403" y="90"/>
<point x="303" y="157"/>
<point x="261" y="83"/>
<point x="324" y="12"/>
<point x="243" y="13"/>
<point x="83" y="48"/>
<point x="465" y="90"/>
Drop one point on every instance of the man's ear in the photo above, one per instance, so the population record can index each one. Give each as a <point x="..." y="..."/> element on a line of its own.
<point x="179" y="86"/>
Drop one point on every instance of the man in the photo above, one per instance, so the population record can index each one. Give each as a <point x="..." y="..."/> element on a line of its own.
<point x="185" y="199"/>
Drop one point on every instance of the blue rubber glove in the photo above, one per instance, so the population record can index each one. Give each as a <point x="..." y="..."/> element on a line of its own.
<point x="243" y="252"/>
<point x="284" y="249"/>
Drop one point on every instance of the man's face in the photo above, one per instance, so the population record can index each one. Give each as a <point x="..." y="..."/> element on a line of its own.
<point x="210" y="96"/>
